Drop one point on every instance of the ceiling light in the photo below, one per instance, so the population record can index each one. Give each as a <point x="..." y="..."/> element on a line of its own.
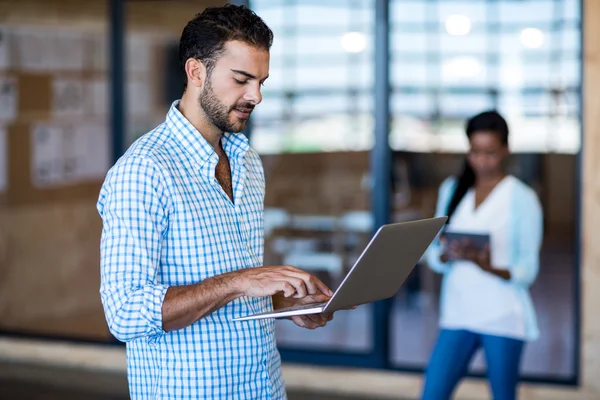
<point x="458" y="25"/>
<point x="460" y="68"/>
<point x="532" y="38"/>
<point x="354" y="42"/>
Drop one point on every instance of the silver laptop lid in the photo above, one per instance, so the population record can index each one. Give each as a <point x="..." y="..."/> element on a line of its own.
<point x="385" y="263"/>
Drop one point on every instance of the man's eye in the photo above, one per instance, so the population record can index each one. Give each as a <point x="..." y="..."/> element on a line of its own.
<point x="240" y="82"/>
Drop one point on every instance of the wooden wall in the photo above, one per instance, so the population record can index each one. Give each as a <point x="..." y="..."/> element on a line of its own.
<point x="49" y="237"/>
<point x="590" y="273"/>
<point x="163" y="15"/>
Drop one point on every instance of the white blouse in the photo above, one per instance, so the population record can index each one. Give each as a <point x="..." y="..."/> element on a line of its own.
<point x="476" y="300"/>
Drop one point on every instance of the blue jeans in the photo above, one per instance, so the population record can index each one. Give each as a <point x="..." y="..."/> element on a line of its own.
<point x="452" y="355"/>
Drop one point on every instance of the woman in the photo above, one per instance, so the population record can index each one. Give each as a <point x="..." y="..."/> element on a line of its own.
<point x="485" y="299"/>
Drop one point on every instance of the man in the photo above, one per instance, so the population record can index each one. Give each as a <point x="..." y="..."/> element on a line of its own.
<point x="182" y="240"/>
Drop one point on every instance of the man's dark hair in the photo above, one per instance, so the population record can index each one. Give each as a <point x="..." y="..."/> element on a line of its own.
<point x="204" y="37"/>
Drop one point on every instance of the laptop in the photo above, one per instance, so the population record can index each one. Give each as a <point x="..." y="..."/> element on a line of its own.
<point x="378" y="273"/>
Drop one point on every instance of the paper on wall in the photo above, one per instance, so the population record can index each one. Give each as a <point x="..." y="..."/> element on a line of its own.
<point x="40" y="49"/>
<point x="8" y="98"/>
<point x="96" y="97"/>
<point x="138" y="48"/>
<point x="96" y="52"/>
<point x="3" y="160"/>
<point x="65" y="154"/>
<point x="4" y="48"/>
<point x="46" y="156"/>
<point x="68" y="99"/>
<point x="73" y="158"/>
<point x="139" y="98"/>
<point x="94" y="144"/>
<point x="35" y="48"/>
<point x="68" y="50"/>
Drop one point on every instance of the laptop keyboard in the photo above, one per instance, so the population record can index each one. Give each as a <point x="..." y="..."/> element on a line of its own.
<point x="302" y="307"/>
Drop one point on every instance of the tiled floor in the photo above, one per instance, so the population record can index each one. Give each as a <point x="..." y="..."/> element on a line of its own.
<point x="15" y="390"/>
<point x="24" y="382"/>
<point x="12" y="390"/>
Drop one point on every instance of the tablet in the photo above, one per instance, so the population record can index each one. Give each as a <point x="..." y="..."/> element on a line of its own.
<point x="478" y="240"/>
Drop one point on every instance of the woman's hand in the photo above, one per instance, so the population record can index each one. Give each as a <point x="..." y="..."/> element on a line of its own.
<point x="465" y="250"/>
<point x="480" y="257"/>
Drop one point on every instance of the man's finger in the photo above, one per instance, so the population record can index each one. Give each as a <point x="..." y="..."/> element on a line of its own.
<point x="319" y="298"/>
<point x="323" y="287"/>
<point x="298" y="321"/>
<point x="287" y="289"/>
<point x="316" y="285"/>
<point x="311" y="282"/>
<point x="316" y="319"/>
<point x="298" y="284"/>
<point x="308" y="323"/>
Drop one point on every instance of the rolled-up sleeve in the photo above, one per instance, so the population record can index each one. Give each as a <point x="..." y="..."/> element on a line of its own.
<point x="529" y="240"/>
<point x="134" y="211"/>
<point x="434" y="251"/>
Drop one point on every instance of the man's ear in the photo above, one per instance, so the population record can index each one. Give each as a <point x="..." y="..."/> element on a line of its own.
<point x="195" y="71"/>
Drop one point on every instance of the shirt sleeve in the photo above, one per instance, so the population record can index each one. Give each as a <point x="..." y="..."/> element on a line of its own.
<point x="134" y="213"/>
<point x="529" y="240"/>
<point x="435" y="249"/>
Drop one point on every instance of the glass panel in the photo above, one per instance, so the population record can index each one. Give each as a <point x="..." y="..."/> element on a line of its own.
<point x="572" y="11"/>
<point x="271" y="11"/>
<point x="337" y="45"/>
<point x="475" y="11"/>
<point x="458" y="45"/>
<point x="322" y="77"/>
<point x="281" y="46"/>
<point x="407" y="11"/>
<point x="515" y="42"/>
<point x="318" y="217"/>
<point x="571" y="40"/>
<point x="407" y="42"/>
<point x="421" y="104"/>
<point x="279" y="76"/>
<point x="464" y="105"/>
<point x="414" y="322"/>
<point x="411" y="74"/>
<point x="528" y="11"/>
<point x="517" y="57"/>
<point x="464" y="71"/>
<point x="319" y="14"/>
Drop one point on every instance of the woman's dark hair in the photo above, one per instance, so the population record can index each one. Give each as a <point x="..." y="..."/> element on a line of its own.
<point x="204" y="37"/>
<point x="489" y="121"/>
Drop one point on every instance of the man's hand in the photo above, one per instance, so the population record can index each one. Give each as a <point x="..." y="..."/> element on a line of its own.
<point x="267" y="281"/>
<point x="186" y="304"/>
<point x="311" y="321"/>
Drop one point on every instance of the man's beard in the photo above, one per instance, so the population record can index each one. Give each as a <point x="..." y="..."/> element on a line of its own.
<point x="218" y="113"/>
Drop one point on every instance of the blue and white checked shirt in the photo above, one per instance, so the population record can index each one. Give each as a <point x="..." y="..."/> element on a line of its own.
<point x="166" y="222"/>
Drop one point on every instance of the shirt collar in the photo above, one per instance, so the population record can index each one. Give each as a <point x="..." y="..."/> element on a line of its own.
<point x="235" y="145"/>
